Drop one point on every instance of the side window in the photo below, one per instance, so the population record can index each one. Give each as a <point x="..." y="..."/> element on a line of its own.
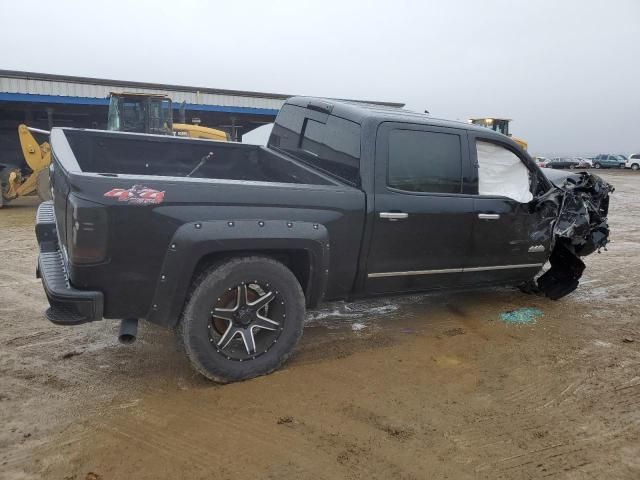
<point x="422" y="161"/>
<point x="502" y="173"/>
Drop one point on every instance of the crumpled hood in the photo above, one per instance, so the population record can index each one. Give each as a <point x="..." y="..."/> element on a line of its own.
<point x="558" y="177"/>
<point x="580" y="204"/>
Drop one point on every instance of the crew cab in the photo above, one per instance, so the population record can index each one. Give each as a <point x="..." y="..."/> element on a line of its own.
<point x="230" y="243"/>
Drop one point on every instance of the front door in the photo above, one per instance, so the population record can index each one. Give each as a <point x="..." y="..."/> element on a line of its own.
<point x="422" y="227"/>
<point x="511" y="237"/>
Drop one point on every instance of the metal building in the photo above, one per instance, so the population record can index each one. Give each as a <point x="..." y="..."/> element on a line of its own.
<point x="43" y="100"/>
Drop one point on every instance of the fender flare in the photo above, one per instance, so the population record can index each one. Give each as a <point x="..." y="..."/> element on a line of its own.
<point x="195" y="240"/>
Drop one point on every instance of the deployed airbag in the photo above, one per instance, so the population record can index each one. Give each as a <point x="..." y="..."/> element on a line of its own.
<point x="502" y="173"/>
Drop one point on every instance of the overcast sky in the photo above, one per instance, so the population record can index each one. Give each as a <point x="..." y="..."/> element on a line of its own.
<point x="567" y="72"/>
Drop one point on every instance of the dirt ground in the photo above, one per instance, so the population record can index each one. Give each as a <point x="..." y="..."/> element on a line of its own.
<point x="416" y="387"/>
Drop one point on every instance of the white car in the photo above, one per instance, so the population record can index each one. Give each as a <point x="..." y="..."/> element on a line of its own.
<point x="586" y="160"/>
<point x="633" y="161"/>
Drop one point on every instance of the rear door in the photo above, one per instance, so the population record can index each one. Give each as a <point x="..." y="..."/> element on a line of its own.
<point x="423" y="218"/>
<point x="511" y="238"/>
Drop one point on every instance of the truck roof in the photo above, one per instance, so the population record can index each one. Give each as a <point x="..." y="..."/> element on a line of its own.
<point x="358" y="112"/>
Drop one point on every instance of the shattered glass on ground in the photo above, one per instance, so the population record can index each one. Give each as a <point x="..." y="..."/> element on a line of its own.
<point x="521" y="316"/>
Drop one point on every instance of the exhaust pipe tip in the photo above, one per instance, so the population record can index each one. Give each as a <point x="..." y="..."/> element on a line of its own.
<point x="126" y="339"/>
<point x="128" y="331"/>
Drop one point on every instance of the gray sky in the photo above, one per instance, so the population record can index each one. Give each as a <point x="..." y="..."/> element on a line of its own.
<point x="567" y="72"/>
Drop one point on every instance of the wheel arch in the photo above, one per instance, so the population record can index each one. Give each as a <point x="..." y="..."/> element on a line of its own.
<point x="303" y="247"/>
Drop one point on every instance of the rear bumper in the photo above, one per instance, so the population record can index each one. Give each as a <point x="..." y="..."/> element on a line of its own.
<point x="68" y="305"/>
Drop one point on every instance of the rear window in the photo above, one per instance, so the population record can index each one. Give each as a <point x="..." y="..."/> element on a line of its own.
<point x="326" y="142"/>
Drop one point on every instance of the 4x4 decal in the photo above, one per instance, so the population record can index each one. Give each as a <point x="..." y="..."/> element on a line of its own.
<point x="137" y="195"/>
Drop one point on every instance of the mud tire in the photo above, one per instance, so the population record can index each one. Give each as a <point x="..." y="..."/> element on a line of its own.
<point x="214" y="282"/>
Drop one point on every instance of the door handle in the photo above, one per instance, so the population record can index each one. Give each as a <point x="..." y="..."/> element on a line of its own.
<point x="489" y="216"/>
<point x="394" y="216"/>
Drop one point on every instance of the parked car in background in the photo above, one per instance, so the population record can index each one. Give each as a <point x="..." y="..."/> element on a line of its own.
<point x="605" y="160"/>
<point x="633" y="162"/>
<point x="541" y="161"/>
<point x="563" y="162"/>
<point x="588" y="160"/>
<point x="583" y="162"/>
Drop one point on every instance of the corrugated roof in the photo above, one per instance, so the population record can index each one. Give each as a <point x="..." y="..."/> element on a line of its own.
<point x="12" y="81"/>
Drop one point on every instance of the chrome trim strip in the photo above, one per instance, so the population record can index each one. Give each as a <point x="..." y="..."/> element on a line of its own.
<point x="454" y="270"/>
<point x="414" y="272"/>
<point x="503" y="267"/>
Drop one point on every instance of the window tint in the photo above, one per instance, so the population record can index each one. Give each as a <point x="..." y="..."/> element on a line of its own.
<point x="425" y="161"/>
<point x="331" y="144"/>
<point x="287" y="128"/>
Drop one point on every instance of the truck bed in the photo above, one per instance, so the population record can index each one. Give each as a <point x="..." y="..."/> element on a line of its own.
<point x="115" y="153"/>
<point x="261" y="198"/>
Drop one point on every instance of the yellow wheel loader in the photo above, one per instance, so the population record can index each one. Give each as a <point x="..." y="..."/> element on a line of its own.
<point x="38" y="157"/>
<point x="153" y="113"/>
<point x="128" y="112"/>
<point x="500" y="125"/>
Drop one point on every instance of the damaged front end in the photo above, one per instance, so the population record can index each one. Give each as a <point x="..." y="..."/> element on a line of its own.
<point x="581" y="205"/>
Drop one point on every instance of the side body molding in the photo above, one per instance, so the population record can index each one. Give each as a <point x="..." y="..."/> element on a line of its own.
<point x="195" y="240"/>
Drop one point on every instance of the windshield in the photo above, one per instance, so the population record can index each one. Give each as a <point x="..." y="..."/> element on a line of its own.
<point x="141" y="114"/>
<point x="495" y="124"/>
<point x="160" y="117"/>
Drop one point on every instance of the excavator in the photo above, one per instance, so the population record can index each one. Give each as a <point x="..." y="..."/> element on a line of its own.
<point x="128" y="112"/>
<point x="500" y="125"/>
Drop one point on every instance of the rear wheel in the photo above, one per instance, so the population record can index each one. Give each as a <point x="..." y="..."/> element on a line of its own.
<point x="635" y="166"/>
<point x="243" y="319"/>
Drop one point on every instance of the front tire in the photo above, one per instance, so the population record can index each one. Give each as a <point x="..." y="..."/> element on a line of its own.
<point x="596" y="165"/>
<point x="243" y="319"/>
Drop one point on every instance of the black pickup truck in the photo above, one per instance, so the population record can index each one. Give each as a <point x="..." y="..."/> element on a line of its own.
<point x="229" y="243"/>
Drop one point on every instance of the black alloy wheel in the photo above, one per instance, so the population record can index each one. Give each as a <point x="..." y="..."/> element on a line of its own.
<point x="246" y="321"/>
<point x="243" y="318"/>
